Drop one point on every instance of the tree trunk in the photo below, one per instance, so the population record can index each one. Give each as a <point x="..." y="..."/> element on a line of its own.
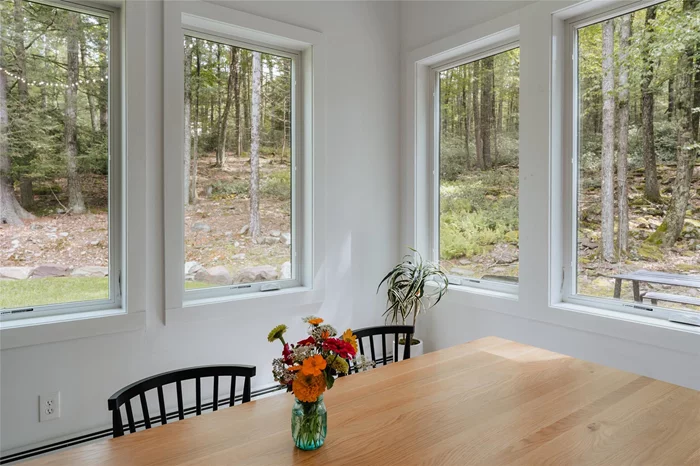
<point x="104" y="92"/>
<point x="195" y="137"/>
<point x="94" y="123"/>
<point x="254" y="147"/>
<point x="237" y="106"/>
<point x="651" y="177"/>
<point x="187" y="130"/>
<point x="465" y="109"/>
<point x="671" y="98"/>
<point x="76" y="204"/>
<point x="477" y="116"/>
<point x="20" y="52"/>
<point x="607" y="156"/>
<point x="10" y="210"/>
<point x="221" y="146"/>
<point x="687" y="97"/>
<point x="26" y="192"/>
<point x="247" y="100"/>
<point x="486" y="110"/>
<point x="623" y="137"/>
<point x="218" y="92"/>
<point x="496" y="117"/>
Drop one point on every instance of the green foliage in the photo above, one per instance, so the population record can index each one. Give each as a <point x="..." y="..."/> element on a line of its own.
<point x="477" y="212"/>
<point x="223" y="189"/>
<point x="277" y="185"/>
<point x="413" y="286"/>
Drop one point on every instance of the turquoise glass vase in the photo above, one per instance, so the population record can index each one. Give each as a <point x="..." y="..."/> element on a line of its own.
<point x="309" y="424"/>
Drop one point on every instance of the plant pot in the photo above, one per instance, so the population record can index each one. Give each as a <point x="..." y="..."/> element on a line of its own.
<point x="416" y="349"/>
<point x="309" y="424"/>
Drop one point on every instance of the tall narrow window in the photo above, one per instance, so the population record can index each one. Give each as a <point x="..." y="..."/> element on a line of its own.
<point x="478" y="121"/>
<point x="238" y="156"/>
<point x="58" y="196"/>
<point x="637" y="95"/>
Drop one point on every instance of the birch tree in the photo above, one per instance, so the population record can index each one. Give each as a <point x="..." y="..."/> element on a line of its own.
<point x="623" y="137"/>
<point x="255" y="146"/>
<point x="607" y="155"/>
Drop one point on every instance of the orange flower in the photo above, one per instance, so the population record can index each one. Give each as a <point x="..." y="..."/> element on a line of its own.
<point x="308" y="388"/>
<point x="315" y="321"/>
<point x="325" y="334"/>
<point x="313" y="365"/>
<point x="349" y="337"/>
<point x="295" y="368"/>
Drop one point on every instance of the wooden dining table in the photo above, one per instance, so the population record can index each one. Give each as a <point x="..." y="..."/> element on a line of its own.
<point x="488" y="402"/>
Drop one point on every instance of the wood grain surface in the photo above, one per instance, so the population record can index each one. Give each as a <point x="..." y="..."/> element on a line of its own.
<point x="490" y="402"/>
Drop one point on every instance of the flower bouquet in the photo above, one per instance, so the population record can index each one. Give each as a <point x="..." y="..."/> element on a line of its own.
<point x="308" y="368"/>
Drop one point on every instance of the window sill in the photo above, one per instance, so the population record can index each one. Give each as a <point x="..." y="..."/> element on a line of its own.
<point x="51" y="329"/>
<point x="485" y="292"/>
<point x="221" y="306"/>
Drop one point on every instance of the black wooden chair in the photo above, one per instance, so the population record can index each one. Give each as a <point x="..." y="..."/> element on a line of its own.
<point x="124" y="396"/>
<point x="398" y="331"/>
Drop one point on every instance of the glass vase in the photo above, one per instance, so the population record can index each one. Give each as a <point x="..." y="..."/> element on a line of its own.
<point x="309" y="424"/>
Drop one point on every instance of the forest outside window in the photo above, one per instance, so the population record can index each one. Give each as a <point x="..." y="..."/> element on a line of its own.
<point x="636" y="228"/>
<point x="477" y="113"/>
<point x="239" y="154"/>
<point x="59" y="159"/>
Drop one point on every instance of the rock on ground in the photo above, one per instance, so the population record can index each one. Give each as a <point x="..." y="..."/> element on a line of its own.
<point x="15" y="273"/>
<point x="261" y="273"/>
<point x="218" y="275"/>
<point x="51" y="270"/>
<point x="201" y="226"/>
<point x="286" y="272"/>
<point x="90" y="271"/>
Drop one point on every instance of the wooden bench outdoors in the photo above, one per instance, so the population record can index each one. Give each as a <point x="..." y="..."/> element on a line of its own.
<point x="662" y="278"/>
<point x="655" y="297"/>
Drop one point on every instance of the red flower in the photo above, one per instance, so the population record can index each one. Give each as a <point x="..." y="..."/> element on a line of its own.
<point x="307" y="342"/>
<point x="342" y="348"/>
<point x="287" y="354"/>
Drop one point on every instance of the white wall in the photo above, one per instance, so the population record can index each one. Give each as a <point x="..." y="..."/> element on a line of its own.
<point x="362" y="224"/>
<point x="665" y="352"/>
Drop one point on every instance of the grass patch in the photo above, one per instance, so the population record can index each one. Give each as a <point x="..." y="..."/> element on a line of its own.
<point x="55" y="290"/>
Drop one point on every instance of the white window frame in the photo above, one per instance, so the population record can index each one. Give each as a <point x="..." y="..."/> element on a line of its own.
<point x="570" y="184"/>
<point x="116" y="164"/>
<point x="305" y="48"/>
<point x="296" y="166"/>
<point x="492" y="49"/>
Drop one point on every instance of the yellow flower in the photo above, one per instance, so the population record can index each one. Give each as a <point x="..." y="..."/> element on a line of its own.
<point x="308" y="388"/>
<point x="349" y="337"/>
<point x="313" y="365"/>
<point x="315" y="321"/>
<point x="276" y="333"/>
<point x="338" y="364"/>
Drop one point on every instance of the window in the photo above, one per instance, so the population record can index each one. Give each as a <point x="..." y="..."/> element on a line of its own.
<point x="239" y="154"/>
<point x="477" y="149"/>
<point x="636" y="223"/>
<point x="59" y="159"/>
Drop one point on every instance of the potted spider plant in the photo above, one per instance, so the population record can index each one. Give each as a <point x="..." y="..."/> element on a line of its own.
<point x="413" y="287"/>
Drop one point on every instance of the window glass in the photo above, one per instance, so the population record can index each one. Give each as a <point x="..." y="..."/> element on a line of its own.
<point x="478" y="150"/>
<point x="638" y="196"/>
<point x="54" y="155"/>
<point x="238" y="152"/>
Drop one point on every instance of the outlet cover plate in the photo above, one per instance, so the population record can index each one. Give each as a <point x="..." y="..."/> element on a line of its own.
<point x="49" y="406"/>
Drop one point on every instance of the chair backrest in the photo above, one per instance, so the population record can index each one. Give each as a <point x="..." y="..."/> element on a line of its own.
<point x="124" y="396"/>
<point x="398" y="331"/>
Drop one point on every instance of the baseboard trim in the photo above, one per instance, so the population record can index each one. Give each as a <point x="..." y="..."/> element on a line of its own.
<point x="89" y="437"/>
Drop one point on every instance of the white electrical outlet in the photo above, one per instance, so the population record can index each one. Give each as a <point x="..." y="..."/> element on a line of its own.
<point x="49" y="406"/>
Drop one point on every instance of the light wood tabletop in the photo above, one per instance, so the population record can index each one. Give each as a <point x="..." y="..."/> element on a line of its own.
<point x="490" y="402"/>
